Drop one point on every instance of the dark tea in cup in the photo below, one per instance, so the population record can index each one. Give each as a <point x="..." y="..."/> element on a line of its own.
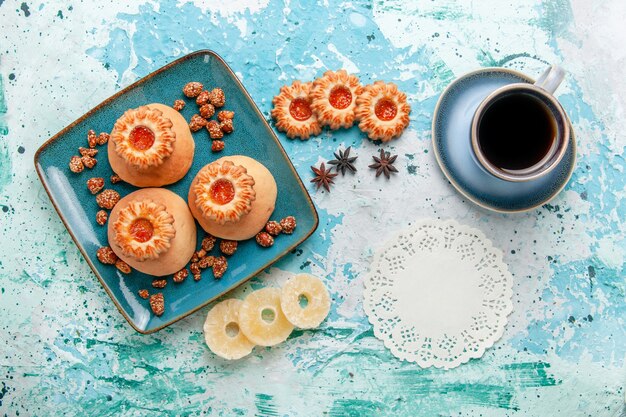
<point x="520" y="131"/>
<point x="516" y="132"/>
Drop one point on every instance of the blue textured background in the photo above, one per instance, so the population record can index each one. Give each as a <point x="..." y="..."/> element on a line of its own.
<point x="67" y="351"/>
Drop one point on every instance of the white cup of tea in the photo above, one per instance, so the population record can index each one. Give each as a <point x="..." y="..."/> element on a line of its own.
<point x="520" y="131"/>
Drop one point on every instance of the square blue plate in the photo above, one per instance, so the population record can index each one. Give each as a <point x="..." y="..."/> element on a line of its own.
<point x="252" y="137"/>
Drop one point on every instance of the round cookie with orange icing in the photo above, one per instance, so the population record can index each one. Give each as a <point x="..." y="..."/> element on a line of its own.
<point x="292" y="111"/>
<point x="333" y="98"/>
<point x="153" y="231"/>
<point x="151" y="146"/>
<point x="233" y="197"/>
<point x="383" y="111"/>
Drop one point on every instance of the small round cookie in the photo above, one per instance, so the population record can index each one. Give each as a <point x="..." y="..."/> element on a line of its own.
<point x="222" y="333"/>
<point x="153" y="231"/>
<point x="333" y="98"/>
<point x="233" y="197"/>
<point x="292" y="111"/>
<point x="262" y="320"/>
<point x="311" y="289"/>
<point x="151" y="146"/>
<point x="383" y="111"/>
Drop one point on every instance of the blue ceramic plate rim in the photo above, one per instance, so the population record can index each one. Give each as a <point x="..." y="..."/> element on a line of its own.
<point x="466" y="193"/>
<point x="94" y="268"/>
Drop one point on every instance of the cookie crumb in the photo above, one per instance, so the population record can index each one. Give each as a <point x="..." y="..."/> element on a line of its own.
<point x="115" y="179"/>
<point x="106" y="255"/>
<point x="225" y="115"/>
<point x="92" y="139"/>
<point x="181" y="275"/>
<point x="178" y="105"/>
<point x="103" y="138"/>
<point x="217" y="146"/>
<point x="144" y="294"/>
<point x="217" y="97"/>
<point x="203" y="98"/>
<point x="159" y="283"/>
<point x="220" y="265"/>
<point x="194" y="268"/>
<point x="192" y="89"/>
<point x="108" y="199"/>
<point x="206" y="262"/>
<point x="273" y="228"/>
<point x="87" y="151"/>
<point x="101" y="217"/>
<point x="264" y="239"/>
<point x="207" y="110"/>
<point x="123" y="266"/>
<point x="214" y="130"/>
<point x="88" y="161"/>
<point x="196" y="123"/>
<point x="288" y="224"/>
<point x="95" y="184"/>
<point x="208" y="243"/>
<point x="76" y="164"/>
<point x="227" y="126"/>
<point x="228" y="247"/>
<point x="157" y="303"/>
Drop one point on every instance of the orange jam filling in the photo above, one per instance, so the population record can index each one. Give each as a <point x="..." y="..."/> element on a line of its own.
<point x="222" y="191"/>
<point x="141" y="230"/>
<point x="385" y="109"/>
<point x="300" y="110"/>
<point x="340" y="97"/>
<point x="141" y="138"/>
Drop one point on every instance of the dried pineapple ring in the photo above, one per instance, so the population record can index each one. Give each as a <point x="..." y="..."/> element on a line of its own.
<point x="253" y="324"/>
<point x="222" y="333"/>
<point x="316" y="294"/>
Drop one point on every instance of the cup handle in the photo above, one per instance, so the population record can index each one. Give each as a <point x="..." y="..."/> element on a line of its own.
<point x="551" y="78"/>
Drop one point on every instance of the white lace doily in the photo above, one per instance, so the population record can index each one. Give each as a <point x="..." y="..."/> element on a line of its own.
<point x="438" y="294"/>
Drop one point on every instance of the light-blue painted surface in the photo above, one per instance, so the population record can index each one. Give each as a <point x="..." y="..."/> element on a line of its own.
<point x="67" y="351"/>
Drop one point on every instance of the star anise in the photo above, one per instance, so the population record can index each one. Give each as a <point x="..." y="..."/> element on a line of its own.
<point x="344" y="161"/>
<point x="384" y="164"/>
<point x="323" y="177"/>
